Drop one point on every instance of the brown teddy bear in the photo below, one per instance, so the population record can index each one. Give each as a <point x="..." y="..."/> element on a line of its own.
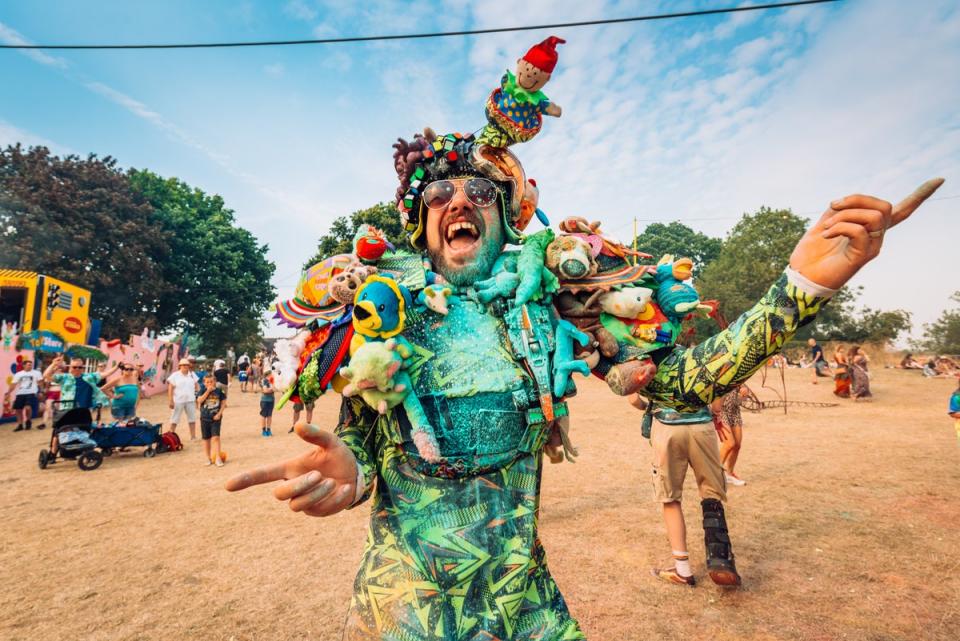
<point x="344" y="286"/>
<point x="570" y="258"/>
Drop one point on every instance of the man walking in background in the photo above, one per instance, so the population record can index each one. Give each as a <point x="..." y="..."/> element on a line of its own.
<point x="819" y="366"/>
<point x="25" y="387"/>
<point x="689" y="440"/>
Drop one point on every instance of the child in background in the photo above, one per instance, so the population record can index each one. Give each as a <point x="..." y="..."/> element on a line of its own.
<point x="212" y="403"/>
<point x="954" y="409"/>
<point x="242" y="376"/>
<point x="266" y="403"/>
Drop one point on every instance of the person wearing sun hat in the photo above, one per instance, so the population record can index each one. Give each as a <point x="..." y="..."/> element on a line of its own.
<point x="182" y="388"/>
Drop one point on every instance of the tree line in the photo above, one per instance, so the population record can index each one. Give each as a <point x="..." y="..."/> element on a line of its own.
<point x="736" y="270"/>
<point x="154" y="252"/>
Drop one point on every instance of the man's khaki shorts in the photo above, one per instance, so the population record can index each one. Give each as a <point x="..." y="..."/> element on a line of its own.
<point x="189" y="408"/>
<point x="677" y="446"/>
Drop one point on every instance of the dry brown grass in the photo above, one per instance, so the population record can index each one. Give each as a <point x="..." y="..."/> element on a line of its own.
<point x="846" y="530"/>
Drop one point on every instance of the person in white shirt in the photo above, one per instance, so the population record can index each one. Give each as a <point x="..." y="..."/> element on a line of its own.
<point x="182" y="388"/>
<point x="25" y="387"/>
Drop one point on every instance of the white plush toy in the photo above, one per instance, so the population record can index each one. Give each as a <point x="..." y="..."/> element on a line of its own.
<point x="629" y="302"/>
<point x="288" y="360"/>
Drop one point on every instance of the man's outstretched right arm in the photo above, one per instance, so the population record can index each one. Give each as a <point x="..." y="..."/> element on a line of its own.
<point x="334" y="475"/>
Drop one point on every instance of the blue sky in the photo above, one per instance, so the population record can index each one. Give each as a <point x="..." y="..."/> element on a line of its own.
<point x="697" y="119"/>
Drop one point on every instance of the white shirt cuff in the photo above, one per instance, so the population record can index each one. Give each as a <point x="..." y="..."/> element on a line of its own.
<point x="807" y="286"/>
<point x="361" y="487"/>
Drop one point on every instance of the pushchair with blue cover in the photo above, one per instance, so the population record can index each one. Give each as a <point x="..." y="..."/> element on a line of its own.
<point x="73" y="431"/>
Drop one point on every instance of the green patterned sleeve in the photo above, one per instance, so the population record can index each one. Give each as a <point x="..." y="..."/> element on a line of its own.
<point x="691" y="378"/>
<point x="356" y="429"/>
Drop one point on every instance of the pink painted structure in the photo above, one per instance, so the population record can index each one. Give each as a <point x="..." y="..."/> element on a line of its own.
<point x="158" y="357"/>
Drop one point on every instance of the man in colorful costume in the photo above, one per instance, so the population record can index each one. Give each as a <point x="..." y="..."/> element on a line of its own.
<point x="453" y="551"/>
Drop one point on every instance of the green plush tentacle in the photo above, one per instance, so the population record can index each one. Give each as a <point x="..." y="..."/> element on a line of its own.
<point x="534" y="283"/>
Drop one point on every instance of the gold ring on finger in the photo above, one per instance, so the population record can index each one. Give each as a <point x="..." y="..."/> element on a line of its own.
<point x="876" y="234"/>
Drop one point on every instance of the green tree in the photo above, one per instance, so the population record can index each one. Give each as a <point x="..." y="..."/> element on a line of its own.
<point x="78" y="219"/>
<point x="752" y="256"/>
<point x="339" y="240"/>
<point x="679" y="240"/>
<point x="871" y="326"/>
<point x="943" y="335"/>
<point x="219" y="272"/>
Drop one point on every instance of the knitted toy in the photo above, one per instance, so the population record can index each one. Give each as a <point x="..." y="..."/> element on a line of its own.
<point x="570" y="256"/>
<point x="536" y="280"/>
<point x="375" y="374"/>
<point x="379" y="313"/>
<point x="344" y="285"/>
<point x="437" y="298"/>
<point x="379" y="310"/>
<point x="676" y="297"/>
<point x="629" y="302"/>
<point x="370" y="244"/>
<point x="515" y="109"/>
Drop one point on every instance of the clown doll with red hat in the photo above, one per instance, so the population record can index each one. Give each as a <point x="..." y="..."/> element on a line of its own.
<point x="515" y="108"/>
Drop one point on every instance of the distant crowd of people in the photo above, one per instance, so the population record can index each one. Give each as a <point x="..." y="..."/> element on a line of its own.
<point x="39" y="395"/>
<point x="191" y="391"/>
<point x="850" y="370"/>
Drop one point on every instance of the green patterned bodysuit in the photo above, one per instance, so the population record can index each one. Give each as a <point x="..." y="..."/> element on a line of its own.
<point x="452" y="551"/>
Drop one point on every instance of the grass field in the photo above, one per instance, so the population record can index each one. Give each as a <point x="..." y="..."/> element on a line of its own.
<point x="848" y="528"/>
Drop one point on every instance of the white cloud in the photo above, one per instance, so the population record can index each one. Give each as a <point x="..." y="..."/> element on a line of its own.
<point x="694" y="41"/>
<point x="753" y="51"/>
<point x="10" y="36"/>
<point x="736" y="20"/>
<point x="300" y="10"/>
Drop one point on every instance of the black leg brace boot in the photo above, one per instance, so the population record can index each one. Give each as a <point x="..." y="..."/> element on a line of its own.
<point x="720" y="563"/>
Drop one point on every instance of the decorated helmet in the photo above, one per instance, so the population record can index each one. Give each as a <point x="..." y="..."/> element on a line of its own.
<point x="430" y="157"/>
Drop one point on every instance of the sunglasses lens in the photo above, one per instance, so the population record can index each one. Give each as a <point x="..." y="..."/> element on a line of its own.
<point x="481" y="192"/>
<point x="438" y="194"/>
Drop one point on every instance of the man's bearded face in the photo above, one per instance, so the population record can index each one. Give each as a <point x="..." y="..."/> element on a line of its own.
<point x="464" y="240"/>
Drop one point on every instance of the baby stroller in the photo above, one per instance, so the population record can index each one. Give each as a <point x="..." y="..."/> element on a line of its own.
<point x="73" y="433"/>
<point x="128" y="433"/>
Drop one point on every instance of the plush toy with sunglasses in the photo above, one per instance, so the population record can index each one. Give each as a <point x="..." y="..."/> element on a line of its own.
<point x="516" y="108"/>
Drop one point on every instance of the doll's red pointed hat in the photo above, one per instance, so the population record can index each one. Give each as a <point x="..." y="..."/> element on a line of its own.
<point x="543" y="56"/>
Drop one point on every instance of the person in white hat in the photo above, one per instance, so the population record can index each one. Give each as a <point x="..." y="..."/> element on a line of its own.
<point x="182" y="388"/>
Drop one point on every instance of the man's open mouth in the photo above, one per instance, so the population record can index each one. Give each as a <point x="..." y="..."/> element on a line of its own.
<point x="462" y="233"/>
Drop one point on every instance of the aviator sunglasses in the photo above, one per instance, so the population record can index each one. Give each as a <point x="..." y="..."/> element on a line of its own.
<point x="479" y="191"/>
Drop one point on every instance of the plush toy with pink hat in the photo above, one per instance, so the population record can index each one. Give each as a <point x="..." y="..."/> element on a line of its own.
<point x="515" y="109"/>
